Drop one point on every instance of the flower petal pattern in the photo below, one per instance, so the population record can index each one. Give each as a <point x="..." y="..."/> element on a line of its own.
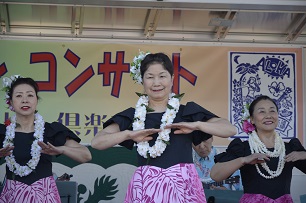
<point x="177" y="184"/>
<point x="41" y="191"/>
<point x="259" y="198"/>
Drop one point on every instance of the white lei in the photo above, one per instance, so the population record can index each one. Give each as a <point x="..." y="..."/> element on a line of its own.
<point x="39" y="126"/>
<point x="257" y="146"/>
<point x="160" y="145"/>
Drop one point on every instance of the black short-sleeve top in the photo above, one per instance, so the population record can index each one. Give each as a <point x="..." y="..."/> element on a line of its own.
<point x="252" y="181"/>
<point x="180" y="148"/>
<point x="55" y="133"/>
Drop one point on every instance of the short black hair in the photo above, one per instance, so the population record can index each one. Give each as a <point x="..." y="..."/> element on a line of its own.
<point x="200" y="136"/>
<point x="158" y="58"/>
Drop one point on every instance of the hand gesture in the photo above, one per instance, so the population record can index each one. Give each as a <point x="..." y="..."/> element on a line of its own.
<point x="295" y="156"/>
<point x="6" y="151"/>
<point x="182" y="127"/>
<point x="256" y="158"/>
<point x="143" y="135"/>
<point x="50" y="149"/>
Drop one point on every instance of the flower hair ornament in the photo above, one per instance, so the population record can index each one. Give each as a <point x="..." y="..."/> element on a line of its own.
<point x="247" y="126"/>
<point x="7" y="84"/>
<point x="135" y="67"/>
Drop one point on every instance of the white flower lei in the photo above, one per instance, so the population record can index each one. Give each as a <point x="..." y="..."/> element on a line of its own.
<point x="39" y="126"/>
<point x="160" y="145"/>
<point x="135" y="67"/>
<point x="257" y="146"/>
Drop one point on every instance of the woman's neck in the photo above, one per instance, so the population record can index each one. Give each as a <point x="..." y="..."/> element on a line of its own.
<point x="158" y="106"/>
<point x="25" y="124"/>
<point x="268" y="138"/>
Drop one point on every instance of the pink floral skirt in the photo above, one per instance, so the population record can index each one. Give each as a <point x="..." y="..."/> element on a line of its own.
<point x="176" y="184"/>
<point x="258" y="198"/>
<point x="41" y="191"/>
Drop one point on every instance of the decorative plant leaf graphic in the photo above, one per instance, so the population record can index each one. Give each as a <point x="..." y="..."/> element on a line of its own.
<point x="244" y="68"/>
<point x="104" y="189"/>
<point x="81" y="190"/>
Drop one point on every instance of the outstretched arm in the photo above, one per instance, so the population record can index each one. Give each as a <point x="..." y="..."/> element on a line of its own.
<point x="295" y="156"/>
<point x="71" y="149"/>
<point x="216" y="126"/>
<point x="111" y="136"/>
<point x="299" y="159"/>
<point x="218" y="172"/>
<point x="76" y="151"/>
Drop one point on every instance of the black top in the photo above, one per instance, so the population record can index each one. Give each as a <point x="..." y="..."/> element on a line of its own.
<point x="253" y="182"/>
<point x="180" y="148"/>
<point x="55" y="133"/>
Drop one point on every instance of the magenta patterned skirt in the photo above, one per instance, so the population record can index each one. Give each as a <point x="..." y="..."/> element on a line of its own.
<point x="176" y="184"/>
<point x="258" y="198"/>
<point x="41" y="191"/>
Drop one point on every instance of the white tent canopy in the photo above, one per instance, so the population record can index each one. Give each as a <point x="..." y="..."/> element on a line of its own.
<point x="227" y="21"/>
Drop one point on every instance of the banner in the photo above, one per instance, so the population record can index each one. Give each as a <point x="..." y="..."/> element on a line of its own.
<point x="272" y="74"/>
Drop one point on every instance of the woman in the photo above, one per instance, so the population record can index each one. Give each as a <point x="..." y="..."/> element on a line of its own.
<point x="28" y="145"/>
<point x="265" y="161"/>
<point x="166" y="172"/>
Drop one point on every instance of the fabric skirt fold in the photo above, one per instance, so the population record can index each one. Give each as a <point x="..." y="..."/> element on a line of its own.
<point x="41" y="191"/>
<point x="177" y="184"/>
<point x="259" y="198"/>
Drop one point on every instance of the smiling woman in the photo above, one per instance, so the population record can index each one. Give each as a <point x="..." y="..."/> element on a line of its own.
<point x="29" y="175"/>
<point x="265" y="159"/>
<point x="164" y="158"/>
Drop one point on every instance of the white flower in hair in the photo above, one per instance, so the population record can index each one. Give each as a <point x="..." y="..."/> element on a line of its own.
<point x="247" y="126"/>
<point x="7" y="84"/>
<point x="135" y="66"/>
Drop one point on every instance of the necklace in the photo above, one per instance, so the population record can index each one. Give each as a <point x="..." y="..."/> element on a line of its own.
<point x="257" y="146"/>
<point x="163" y="138"/>
<point x="39" y="126"/>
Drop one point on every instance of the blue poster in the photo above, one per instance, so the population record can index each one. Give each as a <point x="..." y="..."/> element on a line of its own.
<point x="271" y="74"/>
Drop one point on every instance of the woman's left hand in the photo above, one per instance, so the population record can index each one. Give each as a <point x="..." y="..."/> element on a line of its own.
<point x="50" y="149"/>
<point x="183" y="127"/>
<point x="295" y="156"/>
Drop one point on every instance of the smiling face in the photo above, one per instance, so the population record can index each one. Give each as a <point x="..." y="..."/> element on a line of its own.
<point x="157" y="82"/>
<point x="24" y="100"/>
<point x="265" y="116"/>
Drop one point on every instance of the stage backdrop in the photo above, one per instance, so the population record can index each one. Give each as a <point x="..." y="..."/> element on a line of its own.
<point x="84" y="84"/>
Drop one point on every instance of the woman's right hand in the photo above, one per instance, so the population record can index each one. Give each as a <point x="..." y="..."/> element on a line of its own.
<point x="143" y="135"/>
<point x="256" y="158"/>
<point x="6" y="151"/>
